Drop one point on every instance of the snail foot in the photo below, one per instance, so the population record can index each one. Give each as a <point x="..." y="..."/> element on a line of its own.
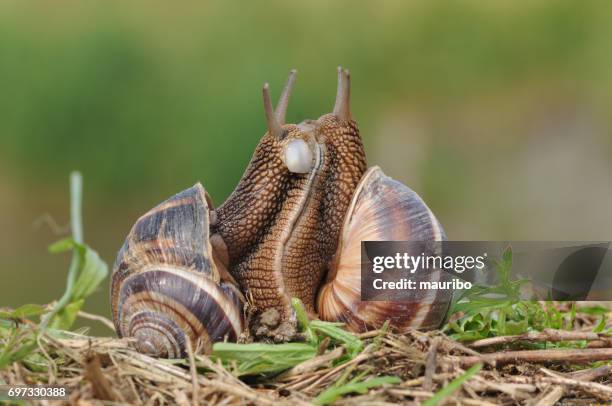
<point x="271" y="327"/>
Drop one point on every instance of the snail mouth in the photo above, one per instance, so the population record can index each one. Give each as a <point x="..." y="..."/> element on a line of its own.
<point x="307" y="126"/>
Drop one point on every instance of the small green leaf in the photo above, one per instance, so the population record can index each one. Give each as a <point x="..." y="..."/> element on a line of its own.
<point x="336" y="392"/>
<point x="507" y="258"/>
<point x="90" y="271"/>
<point x="22" y="312"/>
<point x="596" y="310"/>
<point x="16" y="347"/>
<point x="516" y="327"/>
<point x="36" y="362"/>
<point x="335" y="331"/>
<point x="93" y="271"/>
<point x="501" y="322"/>
<point x="601" y="325"/>
<point x="63" y="245"/>
<point x="65" y="318"/>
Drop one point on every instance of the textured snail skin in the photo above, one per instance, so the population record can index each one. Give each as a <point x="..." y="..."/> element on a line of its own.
<point x="281" y="228"/>
<point x="166" y="287"/>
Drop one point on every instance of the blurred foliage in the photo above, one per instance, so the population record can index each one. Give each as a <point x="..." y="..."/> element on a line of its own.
<point x="452" y="98"/>
<point x="159" y="97"/>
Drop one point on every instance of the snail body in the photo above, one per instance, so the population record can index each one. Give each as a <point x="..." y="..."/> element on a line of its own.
<point x="292" y="228"/>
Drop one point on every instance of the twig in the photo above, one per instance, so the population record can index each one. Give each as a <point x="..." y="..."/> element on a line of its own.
<point x="369" y="334"/>
<point x="604" y="342"/>
<point x="431" y="364"/>
<point x="98" y="343"/>
<point x="551" y="397"/>
<point x="596" y="389"/>
<point x="358" y="359"/>
<point x="95" y="317"/>
<point x="516" y="390"/>
<point x="428" y="394"/>
<point x="410" y="392"/>
<point x="101" y="387"/>
<point x="180" y="398"/>
<point x="449" y="345"/>
<point x="219" y="370"/>
<point x="323" y="346"/>
<point x="194" y="373"/>
<point x="546" y="335"/>
<point x="574" y="356"/>
<point x="312" y="364"/>
<point x="147" y="362"/>
<point x="419" y="381"/>
<point x="476" y="402"/>
<point x="53" y="370"/>
<point x="136" y="397"/>
<point x="592" y="373"/>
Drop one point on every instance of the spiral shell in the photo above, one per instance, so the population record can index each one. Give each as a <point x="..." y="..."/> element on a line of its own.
<point x="382" y="209"/>
<point x="166" y="284"/>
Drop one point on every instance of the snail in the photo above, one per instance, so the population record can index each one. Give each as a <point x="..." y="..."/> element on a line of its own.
<point x="292" y="228"/>
<point x="169" y="285"/>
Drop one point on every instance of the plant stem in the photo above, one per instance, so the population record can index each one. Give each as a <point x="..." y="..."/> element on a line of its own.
<point x="76" y="225"/>
<point x="303" y="320"/>
<point x="76" y="192"/>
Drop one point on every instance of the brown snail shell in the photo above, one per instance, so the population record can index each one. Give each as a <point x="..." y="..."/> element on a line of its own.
<point x="382" y="209"/>
<point x="167" y="284"/>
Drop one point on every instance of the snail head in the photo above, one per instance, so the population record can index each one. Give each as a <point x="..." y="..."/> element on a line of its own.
<point x="297" y="148"/>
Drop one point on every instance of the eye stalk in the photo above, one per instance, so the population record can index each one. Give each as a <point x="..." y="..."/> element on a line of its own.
<point x="276" y="119"/>
<point x="342" y="107"/>
<point x="298" y="156"/>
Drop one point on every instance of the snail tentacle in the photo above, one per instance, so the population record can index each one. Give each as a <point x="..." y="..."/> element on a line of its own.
<point x="342" y="107"/>
<point x="274" y="126"/>
<point x="283" y="101"/>
<point x="276" y="118"/>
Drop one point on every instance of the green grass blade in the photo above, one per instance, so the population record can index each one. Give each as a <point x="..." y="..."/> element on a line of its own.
<point x="23" y="312"/>
<point x="260" y="358"/>
<point x="336" y="332"/>
<point x="303" y="320"/>
<point x="334" y="393"/>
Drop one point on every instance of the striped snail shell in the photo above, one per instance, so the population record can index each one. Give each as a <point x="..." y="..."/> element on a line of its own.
<point x="170" y="286"/>
<point x="382" y="209"/>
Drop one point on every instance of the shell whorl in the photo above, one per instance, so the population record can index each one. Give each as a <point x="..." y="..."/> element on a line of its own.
<point x="167" y="288"/>
<point x="382" y="209"/>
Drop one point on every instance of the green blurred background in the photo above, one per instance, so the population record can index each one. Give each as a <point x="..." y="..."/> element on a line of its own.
<point x="497" y="113"/>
